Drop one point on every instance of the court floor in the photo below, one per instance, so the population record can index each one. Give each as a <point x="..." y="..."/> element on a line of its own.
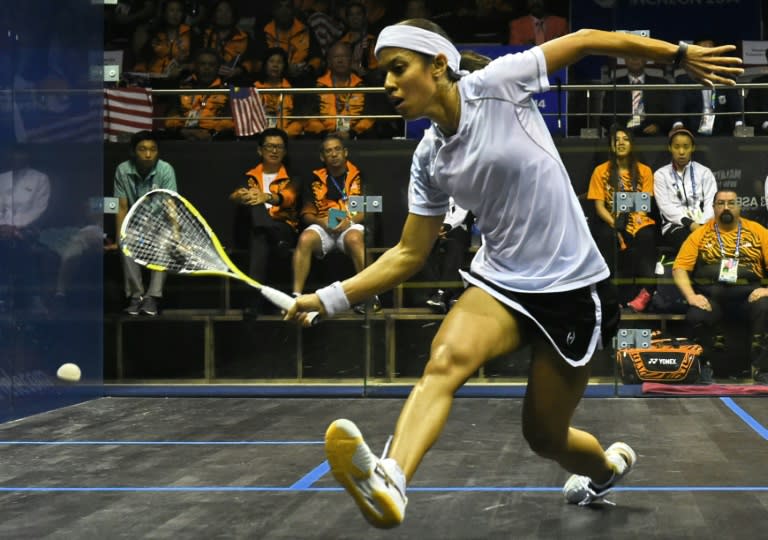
<point x="203" y="468"/>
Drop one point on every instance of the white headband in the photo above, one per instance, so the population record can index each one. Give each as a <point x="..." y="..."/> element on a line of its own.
<point x="417" y="39"/>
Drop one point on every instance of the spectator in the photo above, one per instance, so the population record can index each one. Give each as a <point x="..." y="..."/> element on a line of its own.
<point x="271" y="197"/>
<point x="326" y="28"/>
<point x="24" y="196"/>
<point x="330" y="224"/>
<point x="684" y="190"/>
<point x="236" y="49"/>
<point x="360" y="40"/>
<point x="127" y="26"/>
<point x="447" y="256"/>
<point x="705" y="111"/>
<point x="379" y="15"/>
<point x="169" y="43"/>
<point x="536" y="27"/>
<point x="143" y="172"/>
<point x="626" y="240"/>
<point x="201" y="116"/>
<point x="293" y="36"/>
<point x="718" y="270"/>
<point x="277" y="106"/>
<point x="637" y="110"/>
<point x="757" y="102"/>
<point x="347" y="105"/>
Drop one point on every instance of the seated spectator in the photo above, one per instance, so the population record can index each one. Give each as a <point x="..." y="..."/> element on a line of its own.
<point x="24" y="196"/>
<point x="536" y="27"/>
<point x="638" y="110"/>
<point x="326" y="28"/>
<point x="169" y="46"/>
<point x="348" y="105"/>
<point x="293" y="36"/>
<point x="277" y="106"/>
<point x="236" y="49"/>
<point x="330" y="224"/>
<point x="271" y="197"/>
<point x="379" y="14"/>
<point x="447" y="257"/>
<point x="705" y="109"/>
<point x="360" y="40"/>
<point x="626" y="240"/>
<point x="143" y="172"/>
<point x="719" y="270"/>
<point x="684" y="190"/>
<point x="126" y="26"/>
<point x="200" y="116"/>
<point x="757" y="102"/>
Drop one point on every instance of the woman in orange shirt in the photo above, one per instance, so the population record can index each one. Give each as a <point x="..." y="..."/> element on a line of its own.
<point x="277" y="106"/>
<point x="168" y="50"/>
<point x="627" y="240"/>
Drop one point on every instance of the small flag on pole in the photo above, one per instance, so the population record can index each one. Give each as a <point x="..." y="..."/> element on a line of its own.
<point x="127" y="110"/>
<point x="247" y="111"/>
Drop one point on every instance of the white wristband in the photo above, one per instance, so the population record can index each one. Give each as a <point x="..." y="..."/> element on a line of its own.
<point x="333" y="298"/>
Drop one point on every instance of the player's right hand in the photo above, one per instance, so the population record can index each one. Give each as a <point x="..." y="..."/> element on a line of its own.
<point x="304" y="305"/>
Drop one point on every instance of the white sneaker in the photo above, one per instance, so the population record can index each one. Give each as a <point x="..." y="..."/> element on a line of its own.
<point x="580" y="489"/>
<point x="377" y="485"/>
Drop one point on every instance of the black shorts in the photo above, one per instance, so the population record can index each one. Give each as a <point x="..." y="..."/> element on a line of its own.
<point x="576" y="322"/>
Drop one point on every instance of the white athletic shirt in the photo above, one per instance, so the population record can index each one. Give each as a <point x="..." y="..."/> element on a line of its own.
<point x="503" y="166"/>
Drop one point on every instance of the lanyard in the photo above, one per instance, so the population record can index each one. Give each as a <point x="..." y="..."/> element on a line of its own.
<point x="340" y="190"/>
<point x="682" y="182"/>
<point x="720" y="240"/>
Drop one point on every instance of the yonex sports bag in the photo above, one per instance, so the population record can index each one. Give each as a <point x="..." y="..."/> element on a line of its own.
<point x="668" y="360"/>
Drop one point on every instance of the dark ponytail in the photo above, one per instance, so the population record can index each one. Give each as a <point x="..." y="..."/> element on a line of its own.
<point x="470" y="60"/>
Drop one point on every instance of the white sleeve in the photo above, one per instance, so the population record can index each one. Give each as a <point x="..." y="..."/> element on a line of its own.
<point x="669" y="205"/>
<point x="710" y="188"/>
<point x="424" y="198"/>
<point x="513" y="77"/>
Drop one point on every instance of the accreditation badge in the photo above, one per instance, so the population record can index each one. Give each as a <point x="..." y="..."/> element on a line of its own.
<point x="729" y="270"/>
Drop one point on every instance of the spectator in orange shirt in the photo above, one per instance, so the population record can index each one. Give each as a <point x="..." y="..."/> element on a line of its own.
<point x="200" y="116"/>
<point x="168" y="49"/>
<point x="359" y="39"/>
<point x="271" y="197"/>
<point x="294" y="37"/>
<point x="277" y="106"/>
<point x="234" y="46"/>
<point x="626" y="240"/>
<point x="346" y="105"/>
<point x="536" y="27"/>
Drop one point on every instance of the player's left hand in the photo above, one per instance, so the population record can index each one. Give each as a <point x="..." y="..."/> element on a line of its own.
<point x="712" y="65"/>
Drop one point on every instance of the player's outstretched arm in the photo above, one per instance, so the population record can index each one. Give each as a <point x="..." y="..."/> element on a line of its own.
<point x="708" y="65"/>
<point x="394" y="266"/>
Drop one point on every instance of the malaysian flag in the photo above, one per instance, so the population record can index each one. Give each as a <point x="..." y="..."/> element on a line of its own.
<point x="247" y="111"/>
<point x="127" y="110"/>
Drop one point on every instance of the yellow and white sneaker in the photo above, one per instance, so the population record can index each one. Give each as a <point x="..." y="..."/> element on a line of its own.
<point x="580" y="489"/>
<point x="377" y="485"/>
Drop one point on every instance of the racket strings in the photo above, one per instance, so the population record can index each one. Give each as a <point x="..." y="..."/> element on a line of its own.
<point x="163" y="232"/>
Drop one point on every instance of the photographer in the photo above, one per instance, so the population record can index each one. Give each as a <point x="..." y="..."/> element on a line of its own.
<point x="626" y="240"/>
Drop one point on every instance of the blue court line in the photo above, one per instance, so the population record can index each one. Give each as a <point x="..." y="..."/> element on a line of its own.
<point x="447" y="489"/>
<point x="744" y="415"/>
<point x="312" y="476"/>
<point x="161" y="443"/>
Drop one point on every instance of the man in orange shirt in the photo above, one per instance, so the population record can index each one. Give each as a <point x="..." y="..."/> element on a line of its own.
<point x="536" y="27"/>
<point x="727" y="258"/>
<point x="294" y="37"/>
<point x="202" y="116"/>
<point x="344" y="106"/>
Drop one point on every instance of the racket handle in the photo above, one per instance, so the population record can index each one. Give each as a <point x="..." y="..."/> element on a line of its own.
<point x="279" y="298"/>
<point x="313" y="317"/>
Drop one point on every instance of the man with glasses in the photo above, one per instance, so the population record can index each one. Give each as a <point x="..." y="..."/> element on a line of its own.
<point x="719" y="270"/>
<point x="270" y="197"/>
<point x="330" y="224"/>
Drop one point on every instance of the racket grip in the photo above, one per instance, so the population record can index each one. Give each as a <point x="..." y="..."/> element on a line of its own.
<point x="313" y="317"/>
<point x="279" y="298"/>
